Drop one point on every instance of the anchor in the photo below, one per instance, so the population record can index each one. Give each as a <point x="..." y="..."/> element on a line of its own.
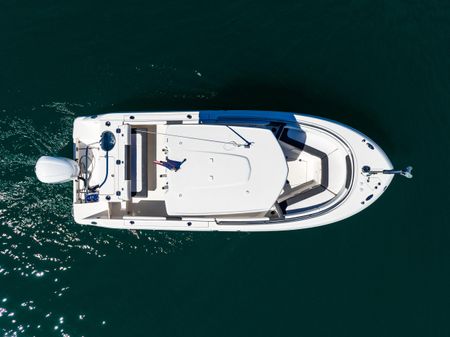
<point x="406" y="172"/>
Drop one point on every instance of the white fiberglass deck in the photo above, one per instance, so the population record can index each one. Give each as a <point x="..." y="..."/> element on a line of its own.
<point x="223" y="176"/>
<point x="298" y="171"/>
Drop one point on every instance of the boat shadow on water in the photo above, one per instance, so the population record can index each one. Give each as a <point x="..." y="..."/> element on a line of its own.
<point x="248" y="94"/>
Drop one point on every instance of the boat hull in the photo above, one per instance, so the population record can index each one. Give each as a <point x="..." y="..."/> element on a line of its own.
<point x="360" y="190"/>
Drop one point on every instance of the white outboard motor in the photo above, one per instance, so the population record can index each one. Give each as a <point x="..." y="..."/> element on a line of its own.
<point x="53" y="170"/>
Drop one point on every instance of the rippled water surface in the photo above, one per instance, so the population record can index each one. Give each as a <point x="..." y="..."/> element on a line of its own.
<point x="381" y="67"/>
<point x="42" y="288"/>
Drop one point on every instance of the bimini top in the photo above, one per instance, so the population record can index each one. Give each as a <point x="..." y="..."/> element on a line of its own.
<point x="220" y="174"/>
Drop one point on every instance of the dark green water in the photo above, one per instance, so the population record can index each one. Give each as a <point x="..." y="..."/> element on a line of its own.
<point x="380" y="66"/>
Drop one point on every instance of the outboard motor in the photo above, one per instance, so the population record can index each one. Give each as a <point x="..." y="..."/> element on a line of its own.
<point x="53" y="170"/>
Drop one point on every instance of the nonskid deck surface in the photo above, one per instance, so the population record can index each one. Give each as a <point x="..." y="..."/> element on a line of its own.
<point x="232" y="173"/>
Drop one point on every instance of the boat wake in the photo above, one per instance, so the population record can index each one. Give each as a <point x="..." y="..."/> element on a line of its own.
<point x="39" y="242"/>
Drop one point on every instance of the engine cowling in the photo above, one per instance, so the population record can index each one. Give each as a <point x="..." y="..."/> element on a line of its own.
<point x="54" y="170"/>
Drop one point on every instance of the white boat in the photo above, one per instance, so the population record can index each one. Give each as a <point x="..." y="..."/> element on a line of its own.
<point x="218" y="171"/>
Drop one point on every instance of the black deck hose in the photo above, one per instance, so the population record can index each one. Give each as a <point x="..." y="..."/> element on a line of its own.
<point x="106" y="175"/>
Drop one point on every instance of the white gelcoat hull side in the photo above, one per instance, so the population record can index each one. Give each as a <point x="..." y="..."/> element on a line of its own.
<point x="360" y="194"/>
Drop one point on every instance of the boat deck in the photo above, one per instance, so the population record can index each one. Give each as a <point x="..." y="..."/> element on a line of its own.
<point x="222" y="177"/>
